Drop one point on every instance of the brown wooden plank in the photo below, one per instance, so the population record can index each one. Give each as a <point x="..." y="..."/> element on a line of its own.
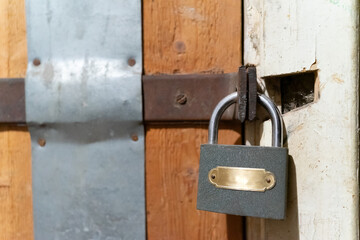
<point x="172" y="156"/>
<point x="15" y="149"/>
<point x="192" y="36"/>
<point x="183" y="37"/>
<point x="255" y="228"/>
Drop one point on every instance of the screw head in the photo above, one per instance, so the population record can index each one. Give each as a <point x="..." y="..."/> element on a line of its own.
<point x="181" y="99"/>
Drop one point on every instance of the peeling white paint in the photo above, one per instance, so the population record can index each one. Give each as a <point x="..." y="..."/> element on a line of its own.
<point x="322" y="136"/>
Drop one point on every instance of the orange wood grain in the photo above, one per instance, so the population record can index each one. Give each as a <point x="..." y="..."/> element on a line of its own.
<point x="15" y="186"/>
<point x="172" y="167"/>
<point x="191" y="36"/>
<point x="187" y="36"/>
<point x="15" y="146"/>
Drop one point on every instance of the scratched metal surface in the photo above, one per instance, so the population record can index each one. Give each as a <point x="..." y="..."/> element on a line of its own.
<point x="85" y="101"/>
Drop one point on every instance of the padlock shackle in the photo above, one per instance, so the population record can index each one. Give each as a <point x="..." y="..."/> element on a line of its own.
<point x="270" y="107"/>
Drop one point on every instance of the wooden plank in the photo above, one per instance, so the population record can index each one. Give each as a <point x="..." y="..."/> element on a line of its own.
<point x="15" y="189"/>
<point x="15" y="149"/>
<point x="17" y="39"/>
<point x="255" y="228"/>
<point x="172" y="157"/>
<point x="192" y="36"/>
<point x="4" y="38"/>
<point x="182" y="37"/>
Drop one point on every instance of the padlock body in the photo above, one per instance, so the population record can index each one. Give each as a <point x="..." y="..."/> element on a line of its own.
<point x="268" y="204"/>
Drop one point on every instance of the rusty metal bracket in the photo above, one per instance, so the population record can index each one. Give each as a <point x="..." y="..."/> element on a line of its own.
<point x="252" y="92"/>
<point x="242" y="90"/>
<point x="246" y="86"/>
<point x="186" y="97"/>
<point x="166" y="97"/>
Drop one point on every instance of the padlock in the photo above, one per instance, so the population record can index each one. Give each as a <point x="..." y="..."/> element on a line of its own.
<point x="244" y="180"/>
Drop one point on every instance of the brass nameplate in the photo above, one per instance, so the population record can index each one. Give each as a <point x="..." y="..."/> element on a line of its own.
<point x="245" y="179"/>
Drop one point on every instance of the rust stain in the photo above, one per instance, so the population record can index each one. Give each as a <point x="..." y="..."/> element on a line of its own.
<point x="298" y="128"/>
<point x="314" y="66"/>
<point x="336" y="78"/>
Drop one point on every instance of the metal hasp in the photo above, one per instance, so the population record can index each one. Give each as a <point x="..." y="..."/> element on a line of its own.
<point x="242" y="91"/>
<point x="84" y="112"/>
<point x="246" y="86"/>
<point x="244" y="180"/>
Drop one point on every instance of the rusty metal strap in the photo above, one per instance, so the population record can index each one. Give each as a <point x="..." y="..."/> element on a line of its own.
<point x="166" y="97"/>
<point x="12" y="100"/>
<point x="190" y="97"/>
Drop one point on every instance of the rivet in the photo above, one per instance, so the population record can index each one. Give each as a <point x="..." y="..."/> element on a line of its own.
<point x="36" y="62"/>
<point x="42" y="142"/>
<point x="131" y="62"/>
<point x="134" y="137"/>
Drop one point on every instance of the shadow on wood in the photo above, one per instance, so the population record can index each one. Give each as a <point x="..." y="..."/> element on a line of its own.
<point x="234" y="227"/>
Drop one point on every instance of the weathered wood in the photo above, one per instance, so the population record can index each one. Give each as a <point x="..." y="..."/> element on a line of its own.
<point x="255" y="228"/>
<point x="172" y="162"/>
<point x="283" y="37"/>
<point x="15" y="184"/>
<point x="15" y="150"/>
<point x="192" y="36"/>
<point x="187" y="37"/>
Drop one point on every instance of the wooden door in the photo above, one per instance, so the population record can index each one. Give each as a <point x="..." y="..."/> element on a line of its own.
<point x="179" y="37"/>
